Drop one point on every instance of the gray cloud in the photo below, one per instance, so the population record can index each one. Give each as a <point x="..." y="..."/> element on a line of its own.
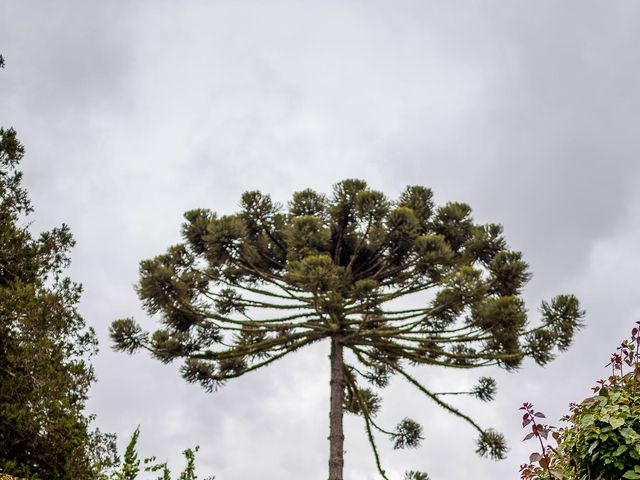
<point x="133" y="112"/>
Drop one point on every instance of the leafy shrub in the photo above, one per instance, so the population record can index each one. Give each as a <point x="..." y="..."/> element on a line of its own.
<point x="602" y="439"/>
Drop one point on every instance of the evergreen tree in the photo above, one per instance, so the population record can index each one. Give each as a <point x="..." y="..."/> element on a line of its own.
<point x="44" y="345"/>
<point x="389" y="284"/>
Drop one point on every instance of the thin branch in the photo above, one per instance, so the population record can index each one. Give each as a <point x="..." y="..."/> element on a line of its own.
<point x="367" y="420"/>
<point x="435" y="398"/>
<point x="356" y="251"/>
<point x="270" y="360"/>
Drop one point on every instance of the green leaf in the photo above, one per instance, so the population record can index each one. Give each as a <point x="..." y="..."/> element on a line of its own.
<point x="629" y="434"/>
<point x="621" y="449"/>
<point x="587" y="420"/>
<point x="616" y="422"/>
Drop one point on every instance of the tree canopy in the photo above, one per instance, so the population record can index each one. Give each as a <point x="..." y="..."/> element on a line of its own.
<point x="392" y="284"/>
<point x="44" y="345"/>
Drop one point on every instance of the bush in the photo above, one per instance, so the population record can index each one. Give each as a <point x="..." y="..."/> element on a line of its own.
<point x="602" y="438"/>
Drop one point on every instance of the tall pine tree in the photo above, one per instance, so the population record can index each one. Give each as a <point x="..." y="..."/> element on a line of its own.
<point x="389" y="285"/>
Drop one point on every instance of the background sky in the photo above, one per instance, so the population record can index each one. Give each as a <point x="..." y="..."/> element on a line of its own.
<point x="134" y="112"/>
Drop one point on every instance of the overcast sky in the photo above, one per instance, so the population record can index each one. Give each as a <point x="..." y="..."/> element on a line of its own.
<point x="134" y="112"/>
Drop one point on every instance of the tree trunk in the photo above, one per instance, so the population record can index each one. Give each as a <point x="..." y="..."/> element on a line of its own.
<point x="336" y="434"/>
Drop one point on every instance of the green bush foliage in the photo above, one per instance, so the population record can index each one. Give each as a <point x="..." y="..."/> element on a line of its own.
<point x="602" y="438"/>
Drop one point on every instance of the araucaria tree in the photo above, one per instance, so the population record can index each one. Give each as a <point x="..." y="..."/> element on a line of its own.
<point x="390" y="284"/>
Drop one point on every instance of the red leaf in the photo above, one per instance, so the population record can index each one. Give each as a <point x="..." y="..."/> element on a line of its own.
<point x="529" y="435"/>
<point x="534" y="457"/>
<point x="540" y="415"/>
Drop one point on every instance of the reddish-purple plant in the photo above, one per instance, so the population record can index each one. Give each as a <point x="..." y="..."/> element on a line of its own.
<point x="546" y="457"/>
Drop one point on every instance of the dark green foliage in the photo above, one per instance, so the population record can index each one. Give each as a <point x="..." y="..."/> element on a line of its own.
<point x="246" y="289"/>
<point x="44" y="346"/>
<point x="353" y="399"/>
<point x="131" y="462"/>
<point x="491" y="444"/>
<point x="408" y="434"/>
<point x="485" y="390"/>
<point x="127" y="335"/>
<point x="413" y="475"/>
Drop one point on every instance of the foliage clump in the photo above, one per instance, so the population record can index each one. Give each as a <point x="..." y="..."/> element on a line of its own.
<point x="602" y="438"/>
